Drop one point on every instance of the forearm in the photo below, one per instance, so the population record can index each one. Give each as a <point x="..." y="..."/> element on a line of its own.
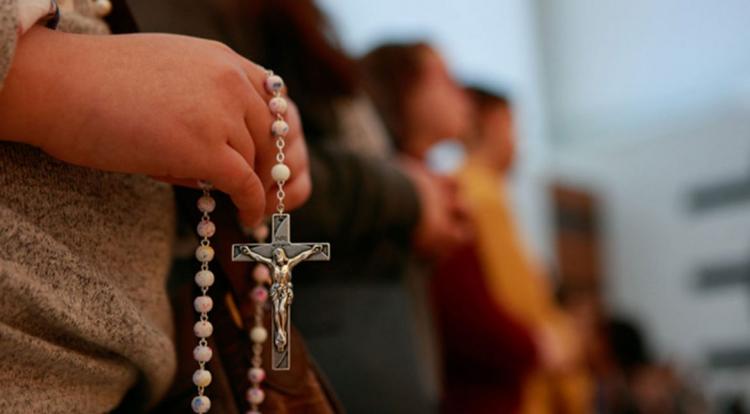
<point x="356" y="199"/>
<point x="26" y="105"/>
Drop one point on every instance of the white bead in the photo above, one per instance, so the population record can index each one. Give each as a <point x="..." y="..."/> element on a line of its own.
<point x="206" y="204"/>
<point x="202" y="353"/>
<point x="206" y="228"/>
<point x="255" y="396"/>
<point x="202" y="378"/>
<point x="274" y="84"/>
<point x="261" y="274"/>
<point x="261" y="232"/>
<point x="203" y="329"/>
<point x="204" y="253"/>
<point x="256" y="375"/>
<point x="102" y="7"/>
<point x="278" y="105"/>
<point x="201" y="404"/>
<point x="259" y="334"/>
<point x="280" y="172"/>
<point x="203" y="304"/>
<point x="204" y="278"/>
<point x="279" y="128"/>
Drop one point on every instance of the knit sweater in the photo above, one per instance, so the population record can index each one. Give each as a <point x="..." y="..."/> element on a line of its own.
<point x="84" y="255"/>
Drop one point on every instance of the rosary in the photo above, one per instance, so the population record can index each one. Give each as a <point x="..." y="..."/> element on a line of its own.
<point x="275" y="261"/>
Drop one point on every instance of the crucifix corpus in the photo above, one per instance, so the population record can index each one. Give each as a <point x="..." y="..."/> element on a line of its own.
<point x="281" y="256"/>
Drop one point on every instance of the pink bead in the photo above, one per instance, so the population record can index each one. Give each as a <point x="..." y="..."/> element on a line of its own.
<point x="202" y="353"/>
<point x="256" y="375"/>
<point x="279" y="128"/>
<point x="206" y="228"/>
<point x="252" y="412"/>
<point x="274" y="84"/>
<point x="278" y="105"/>
<point x="261" y="274"/>
<point x="206" y="204"/>
<point x="261" y="232"/>
<point x="203" y="304"/>
<point x="255" y="396"/>
<point x="260" y="294"/>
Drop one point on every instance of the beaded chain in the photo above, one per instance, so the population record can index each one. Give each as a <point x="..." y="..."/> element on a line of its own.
<point x="203" y="303"/>
<point x="261" y="274"/>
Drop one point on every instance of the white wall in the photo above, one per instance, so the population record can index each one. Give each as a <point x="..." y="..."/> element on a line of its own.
<point x="646" y="101"/>
<point x="618" y="64"/>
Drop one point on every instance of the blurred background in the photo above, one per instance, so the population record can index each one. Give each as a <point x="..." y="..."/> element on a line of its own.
<point x="633" y="169"/>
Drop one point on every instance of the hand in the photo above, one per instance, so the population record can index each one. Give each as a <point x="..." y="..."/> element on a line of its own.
<point x="557" y="345"/>
<point x="443" y="223"/>
<point x="172" y="107"/>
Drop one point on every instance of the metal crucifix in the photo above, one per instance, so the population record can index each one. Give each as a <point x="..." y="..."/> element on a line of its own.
<point x="281" y="256"/>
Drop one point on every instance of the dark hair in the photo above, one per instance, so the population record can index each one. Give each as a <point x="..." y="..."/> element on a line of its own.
<point x="484" y="98"/>
<point x="295" y="39"/>
<point x="627" y="343"/>
<point x="389" y="74"/>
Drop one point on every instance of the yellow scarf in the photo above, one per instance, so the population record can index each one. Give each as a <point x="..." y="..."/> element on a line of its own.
<point x="520" y="287"/>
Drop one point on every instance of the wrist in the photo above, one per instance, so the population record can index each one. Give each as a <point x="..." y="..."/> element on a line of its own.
<point x="29" y="88"/>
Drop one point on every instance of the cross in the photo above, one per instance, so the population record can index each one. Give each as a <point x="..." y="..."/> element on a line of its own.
<point x="281" y="256"/>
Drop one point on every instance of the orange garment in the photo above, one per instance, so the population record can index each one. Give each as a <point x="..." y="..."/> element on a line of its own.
<point x="518" y="285"/>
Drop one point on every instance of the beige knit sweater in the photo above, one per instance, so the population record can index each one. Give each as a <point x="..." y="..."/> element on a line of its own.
<point x="84" y="256"/>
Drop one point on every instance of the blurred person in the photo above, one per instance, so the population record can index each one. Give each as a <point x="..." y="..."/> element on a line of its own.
<point x="628" y="378"/>
<point x="354" y="311"/>
<point x="540" y="368"/>
<point x="421" y="104"/>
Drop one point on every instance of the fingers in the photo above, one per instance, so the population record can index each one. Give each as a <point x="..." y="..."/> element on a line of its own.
<point x="236" y="177"/>
<point x="299" y="186"/>
<point x="294" y="150"/>
<point x="258" y="146"/>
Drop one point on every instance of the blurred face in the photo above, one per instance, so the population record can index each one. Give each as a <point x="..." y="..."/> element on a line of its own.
<point x="437" y="108"/>
<point x="498" y="137"/>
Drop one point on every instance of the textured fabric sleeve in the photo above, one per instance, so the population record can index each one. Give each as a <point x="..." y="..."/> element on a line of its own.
<point x="8" y="35"/>
<point x="16" y="17"/>
<point x="358" y="200"/>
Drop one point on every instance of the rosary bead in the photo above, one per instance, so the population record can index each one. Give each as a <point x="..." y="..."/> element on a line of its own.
<point x="261" y="232"/>
<point x="206" y="228"/>
<point x="261" y="274"/>
<point x="202" y="378"/>
<point x="203" y="304"/>
<point x="256" y="375"/>
<point x="279" y="128"/>
<point x="260" y="294"/>
<point x="204" y="278"/>
<point x="102" y="7"/>
<point x="204" y="253"/>
<point x="203" y="329"/>
<point x="278" y="105"/>
<point x="206" y="204"/>
<point x="255" y="396"/>
<point x="274" y="84"/>
<point x="201" y="404"/>
<point x="280" y="172"/>
<point x="259" y="334"/>
<point x="202" y="353"/>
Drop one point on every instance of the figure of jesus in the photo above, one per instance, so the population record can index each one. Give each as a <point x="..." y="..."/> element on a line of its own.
<point x="281" y="287"/>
